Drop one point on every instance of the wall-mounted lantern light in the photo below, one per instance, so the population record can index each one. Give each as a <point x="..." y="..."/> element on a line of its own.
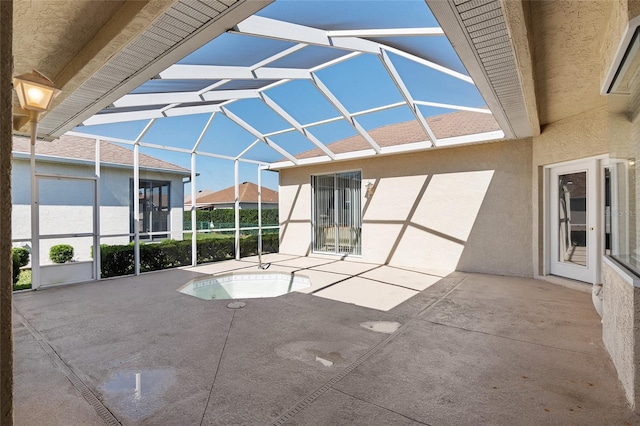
<point x="35" y="92"/>
<point x="369" y="190"/>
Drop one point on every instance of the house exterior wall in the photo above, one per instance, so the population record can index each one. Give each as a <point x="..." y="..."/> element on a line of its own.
<point x="620" y="331"/>
<point x="114" y="189"/>
<point x="463" y="208"/>
<point x="581" y="136"/>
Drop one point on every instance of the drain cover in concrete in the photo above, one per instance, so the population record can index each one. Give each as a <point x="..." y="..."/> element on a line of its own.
<point x="388" y="327"/>
<point x="236" y="305"/>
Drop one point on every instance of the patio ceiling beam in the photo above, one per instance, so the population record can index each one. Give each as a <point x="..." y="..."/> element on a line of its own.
<point x="451" y="106"/>
<point x="246" y="126"/>
<point x="247" y="149"/>
<point x="215" y="72"/>
<point x="258" y="26"/>
<point x="203" y="132"/>
<point x="191" y="110"/>
<point x="279" y="55"/>
<point x="224" y="95"/>
<point x="163" y="98"/>
<point x="345" y="113"/>
<point x="393" y="73"/>
<point x="271" y="28"/>
<point x="388" y="32"/>
<point x="144" y="131"/>
<point x="378" y="109"/>
<point x="227" y="157"/>
<point x="117" y="117"/>
<point x="292" y="121"/>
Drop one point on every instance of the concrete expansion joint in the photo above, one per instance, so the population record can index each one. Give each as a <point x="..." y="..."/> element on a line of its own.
<point x="215" y="376"/>
<point x="103" y="412"/>
<point x="509" y="338"/>
<point x="315" y="394"/>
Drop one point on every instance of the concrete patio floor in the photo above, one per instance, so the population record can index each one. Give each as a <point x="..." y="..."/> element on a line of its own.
<point x="381" y="345"/>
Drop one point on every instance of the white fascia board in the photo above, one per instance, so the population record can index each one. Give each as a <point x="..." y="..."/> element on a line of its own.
<point x="117" y="117"/>
<point x="268" y="73"/>
<point x="407" y="147"/>
<point x="202" y="109"/>
<point x="455" y="107"/>
<point x="387" y="32"/>
<point x="142" y="99"/>
<point x="205" y="72"/>
<point x="223" y="95"/>
<point x="478" y="137"/>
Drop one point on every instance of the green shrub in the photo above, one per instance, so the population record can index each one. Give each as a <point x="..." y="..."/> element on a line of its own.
<point x="225" y="218"/>
<point x="20" y="256"/>
<point x="61" y="253"/>
<point x="118" y="260"/>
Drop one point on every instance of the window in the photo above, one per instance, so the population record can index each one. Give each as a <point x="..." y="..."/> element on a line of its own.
<point x="337" y="213"/>
<point x="153" y="198"/>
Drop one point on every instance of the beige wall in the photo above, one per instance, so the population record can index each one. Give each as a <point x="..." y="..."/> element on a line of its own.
<point x="581" y="136"/>
<point x="620" y="332"/>
<point x="464" y="208"/>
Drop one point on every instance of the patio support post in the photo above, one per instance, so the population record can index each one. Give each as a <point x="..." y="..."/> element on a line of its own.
<point x="35" y="221"/>
<point x="194" y="225"/>
<point x="236" y="206"/>
<point x="6" y="280"/>
<point x="96" y="217"/>
<point x="260" y="210"/>
<point x="136" y="208"/>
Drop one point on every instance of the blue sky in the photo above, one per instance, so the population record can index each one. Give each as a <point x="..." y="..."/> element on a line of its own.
<point x="360" y="84"/>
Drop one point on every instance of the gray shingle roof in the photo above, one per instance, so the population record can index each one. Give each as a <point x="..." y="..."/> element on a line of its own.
<point x="78" y="148"/>
<point x="444" y="126"/>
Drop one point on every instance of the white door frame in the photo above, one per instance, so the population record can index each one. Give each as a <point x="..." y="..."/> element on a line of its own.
<point x="595" y="220"/>
<point x="36" y="237"/>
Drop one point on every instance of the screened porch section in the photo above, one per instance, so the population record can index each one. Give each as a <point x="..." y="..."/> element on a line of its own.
<point x="293" y="84"/>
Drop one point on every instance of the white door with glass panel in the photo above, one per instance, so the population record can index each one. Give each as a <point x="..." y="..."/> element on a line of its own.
<point x="573" y="242"/>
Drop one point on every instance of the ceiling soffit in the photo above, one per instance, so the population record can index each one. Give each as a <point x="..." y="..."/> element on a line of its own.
<point x="181" y="28"/>
<point x="480" y="33"/>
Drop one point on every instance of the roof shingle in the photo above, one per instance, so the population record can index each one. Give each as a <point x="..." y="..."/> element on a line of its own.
<point x="444" y="126"/>
<point x="248" y="192"/>
<point x="78" y="148"/>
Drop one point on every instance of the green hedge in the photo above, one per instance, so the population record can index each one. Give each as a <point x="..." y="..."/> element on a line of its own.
<point x="20" y="257"/>
<point x="117" y="260"/>
<point x="225" y="216"/>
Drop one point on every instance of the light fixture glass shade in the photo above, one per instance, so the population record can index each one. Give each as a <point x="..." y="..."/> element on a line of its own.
<point x="35" y="91"/>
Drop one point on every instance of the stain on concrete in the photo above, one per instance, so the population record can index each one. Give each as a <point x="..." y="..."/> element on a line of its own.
<point x="388" y="327"/>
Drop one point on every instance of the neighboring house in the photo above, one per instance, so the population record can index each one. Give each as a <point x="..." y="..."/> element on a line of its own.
<point x="67" y="192"/>
<point x="225" y="198"/>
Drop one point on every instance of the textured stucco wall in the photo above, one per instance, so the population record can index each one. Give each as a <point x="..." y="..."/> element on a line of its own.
<point x="465" y="208"/>
<point x="581" y="136"/>
<point x="6" y="287"/>
<point x="620" y="331"/>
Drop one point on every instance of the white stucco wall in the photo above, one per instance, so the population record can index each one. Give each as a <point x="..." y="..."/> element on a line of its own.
<point x="464" y="208"/>
<point x="66" y="205"/>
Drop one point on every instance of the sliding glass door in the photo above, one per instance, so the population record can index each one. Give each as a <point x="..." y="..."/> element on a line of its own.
<point x="337" y="213"/>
